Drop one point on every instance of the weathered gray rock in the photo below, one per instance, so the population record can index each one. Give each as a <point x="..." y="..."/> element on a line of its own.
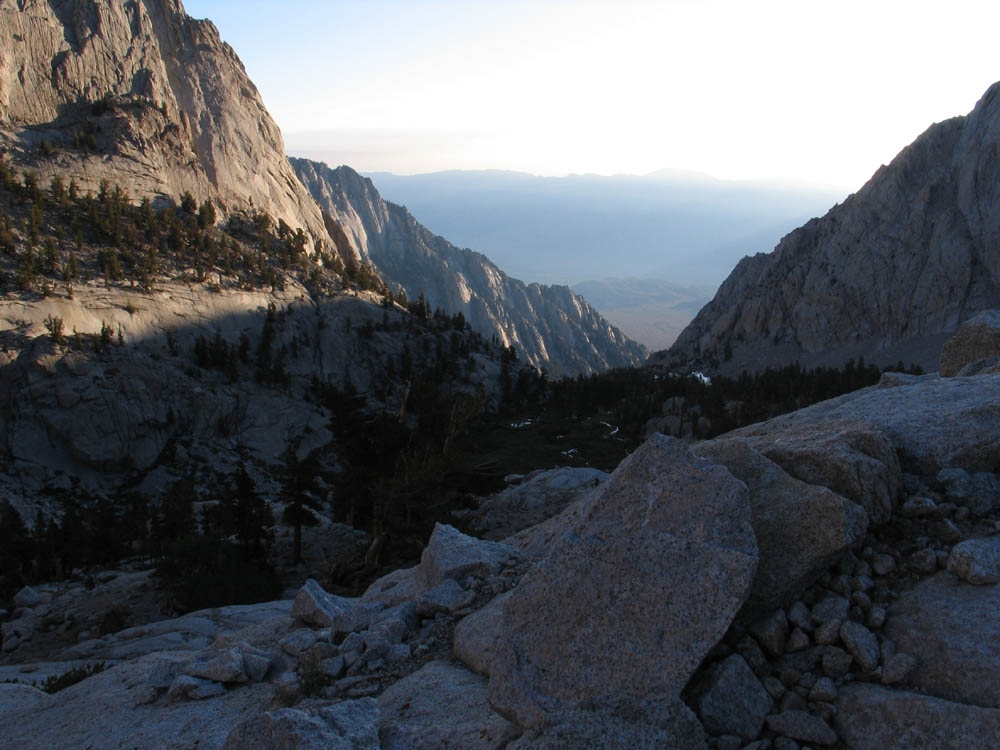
<point x="852" y="458"/>
<point x="542" y="496"/>
<point x="831" y="607"/>
<point x="27" y="597"/>
<point x="393" y="589"/>
<point x="952" y="629"/>
<point x="478" y="635"/>
<point x="870" y="717"/>
<point x="976" y="339"/>
<point x="187" y="116"/>
<point x="979" y="491"/>
<point x="771" y="632"/>
<point x="918" y="506"/>
<point x="448" y="597"/>
<point x="441" y="706"/>
<point x="803" y="726"/>
<point x="731" y="700"/>
<point x="225" y="665"/>
<point x="194" y="688"/>
<point x="839" y="287"/>
<point x="836" y="662"/>
<point x="801" y="529"/>
<point x="295" y="643"/>
<point x="350" y="725"/>
<point x="314" y="605"/>
<point x="451" y="554"/>
<point x="933" y="424"/>
<point x="653" y="726"/>
<point x="976" y="560"/>
<point x="861" y="643"/>
<point x="823" y="690"/>
<point x="898" y="668"/>
<point x="646" y="584"/>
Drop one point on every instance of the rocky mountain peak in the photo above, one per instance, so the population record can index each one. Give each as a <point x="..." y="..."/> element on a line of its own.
<point x="142" y="92"/>
<point x="888" y="274"/>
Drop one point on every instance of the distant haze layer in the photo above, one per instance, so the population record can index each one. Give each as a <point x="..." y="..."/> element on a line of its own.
<point x="684" y="228"/>
<point x="647" y="251"/>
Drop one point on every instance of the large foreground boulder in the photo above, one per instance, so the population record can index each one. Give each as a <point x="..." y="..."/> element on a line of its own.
<point x="874" y="718"/>
<point x="441" y="706"/>
<point x="801" y="529"/>
<point x="628" y="602"/>
<point x="933" y="423"/>
<point x="853" y="458"/>
<point x="953" y="629"/>
<point x="351" y="725"/>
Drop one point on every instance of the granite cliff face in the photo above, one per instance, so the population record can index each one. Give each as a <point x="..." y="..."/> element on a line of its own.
<point x="142" y="95"/>
<point x="889" y="274"/>
<point x="551" y="326"/>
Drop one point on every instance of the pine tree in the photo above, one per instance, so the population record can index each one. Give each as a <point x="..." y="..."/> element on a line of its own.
<point x="299" y="494"/>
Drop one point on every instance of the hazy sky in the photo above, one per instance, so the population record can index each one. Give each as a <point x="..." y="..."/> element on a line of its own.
<point x="821" y="92"/>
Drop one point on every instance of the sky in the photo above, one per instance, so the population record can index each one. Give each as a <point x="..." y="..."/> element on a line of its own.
<point x="798" y="92"/>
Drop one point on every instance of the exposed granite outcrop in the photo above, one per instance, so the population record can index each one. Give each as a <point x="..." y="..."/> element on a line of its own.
<point x="888" y="274"/>
<point x="551" y="326"/>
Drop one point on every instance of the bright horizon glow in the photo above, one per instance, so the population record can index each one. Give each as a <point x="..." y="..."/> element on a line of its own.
<point x="821" y="93"/>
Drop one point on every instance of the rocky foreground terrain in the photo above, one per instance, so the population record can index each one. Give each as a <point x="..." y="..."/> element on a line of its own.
<point x="829" y="578"/>
<point x="887" y="275"/>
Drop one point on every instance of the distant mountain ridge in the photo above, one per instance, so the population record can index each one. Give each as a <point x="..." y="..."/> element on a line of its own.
<point x="687" y="228"/>
<point x="888" y="274"/>
<point x="551" y="326"/>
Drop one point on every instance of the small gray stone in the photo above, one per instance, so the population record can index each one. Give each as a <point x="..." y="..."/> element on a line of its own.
<point x="256" y="666"/>
<point x="225" y="665"/>
<point x="772" y="632"/>
<point x="448" y="597"/>
<point x="823" y="690"/>
<point x="876" y="616"/>
<point x="800" y="616"/>
<point x="832" y="607"/>
<point x="451" y="554"/>
<point x="862" y="600"/>
<point x="828" y="632"/>
<point x="196" y="688"/>
<point x="836" y="662"/>
<point x="976" y="561"/>
<point x="923" y="561"/>
<point x="398" y="653"/>
<point x="946" y="530"/>
<point x="731" y="700"/>
<point x="883" y="564"/>
<point x="918" y="506"/>
<point x="898" y="668"/>
<point x="792" y="701"/>
<point x="295" y="643"/>
<point x="314" y="605"/>
<point x="333" y="667"/>
<point x="774" y="686"/>
<point x="353" y="642"/>
<point x="797" y="641"/>
<point x="861" y="643"/>
<point x="27" y="597"/>
<point x="754" y="656"/>
<point x="803" y="726"/>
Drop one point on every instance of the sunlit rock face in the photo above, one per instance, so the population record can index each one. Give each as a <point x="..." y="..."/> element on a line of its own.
<point x="549" y="325"/>
<point x="142" y="95"/>
<point x="888" y="275"/>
